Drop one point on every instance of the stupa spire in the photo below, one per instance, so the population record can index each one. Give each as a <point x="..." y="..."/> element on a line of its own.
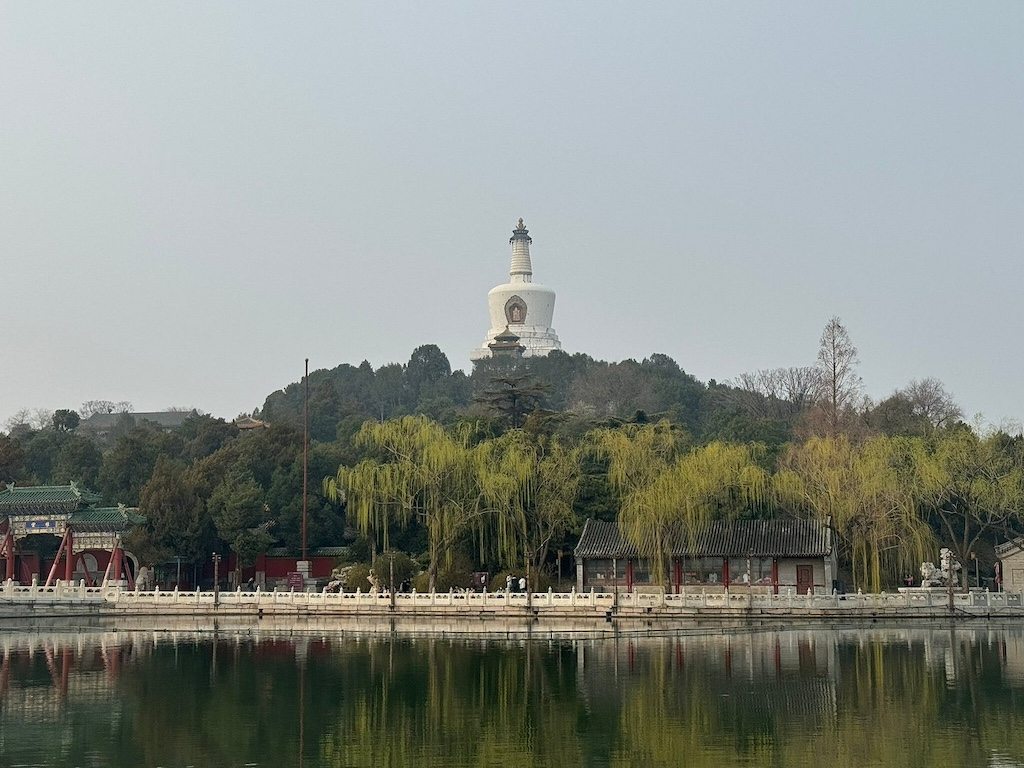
<point x="520" y="310"/>
<point x="521" y="270"/>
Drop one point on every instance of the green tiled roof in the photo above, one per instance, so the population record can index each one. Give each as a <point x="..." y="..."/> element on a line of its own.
<point x="45" y="497"/>
<point x="318" y="552"/>
<point x="330" y="551"/>
<point x="77" y="503"/>
<point x="105" y="518"/>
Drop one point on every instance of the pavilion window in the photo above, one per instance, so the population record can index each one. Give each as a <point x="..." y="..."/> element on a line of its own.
<point x="599" y="572"/>
<point x="641" y="572"/>
<point x="760" y="573"/>
<point x="702" y="571"/>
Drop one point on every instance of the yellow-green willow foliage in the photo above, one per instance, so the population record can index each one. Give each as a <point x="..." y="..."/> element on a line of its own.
<point x="530" y="485"/>
<point x="419" y="471"/>
<point x="714" y="482"/>
<point x="974" y="486"/>
<point x="665" y="497"/>
<point x="871" y="493"/>
<point x="637" y="457"/>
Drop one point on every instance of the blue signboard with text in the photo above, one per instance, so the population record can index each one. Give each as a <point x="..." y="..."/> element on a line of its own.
<point x="40" y="526"/>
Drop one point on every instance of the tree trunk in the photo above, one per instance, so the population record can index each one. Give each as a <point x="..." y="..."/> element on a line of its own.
<point x="432" y="567"/>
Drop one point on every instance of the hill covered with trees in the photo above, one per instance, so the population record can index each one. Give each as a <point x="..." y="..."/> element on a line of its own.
<point x="498" y="469"/>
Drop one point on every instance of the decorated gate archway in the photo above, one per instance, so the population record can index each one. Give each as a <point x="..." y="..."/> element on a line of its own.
<point x="90" y="535"/>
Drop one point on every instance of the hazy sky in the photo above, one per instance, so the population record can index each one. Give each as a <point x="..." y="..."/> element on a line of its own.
<point x="196" y="196"/>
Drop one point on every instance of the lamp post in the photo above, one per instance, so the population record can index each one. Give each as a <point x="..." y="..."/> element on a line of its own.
<point x="216" y="578"/>
<point x="977" y="577"/>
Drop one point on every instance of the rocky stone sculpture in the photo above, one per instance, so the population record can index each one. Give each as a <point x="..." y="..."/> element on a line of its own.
<point x="944" y="574"/>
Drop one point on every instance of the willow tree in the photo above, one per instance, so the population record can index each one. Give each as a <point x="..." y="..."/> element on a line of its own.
<point x="974" y="486"/>
<point x="718" y="481"/>
<point x="667" y="499"/>
<point x="870" y="496"/>
<point x="637" y="456"/>
<point x="530" y="486"/>
<point x="418" y="471"/>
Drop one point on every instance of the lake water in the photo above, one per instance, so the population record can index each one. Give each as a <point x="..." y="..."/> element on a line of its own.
<point x="893" y="697"/>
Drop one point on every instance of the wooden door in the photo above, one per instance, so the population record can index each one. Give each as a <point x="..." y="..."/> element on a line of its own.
<point x="804" y="579"/>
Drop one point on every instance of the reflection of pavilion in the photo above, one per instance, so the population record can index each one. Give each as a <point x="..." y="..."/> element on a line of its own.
<point x="54" y="687"/>
<point x="791" y="673"/>
<point x="90" y="546"/>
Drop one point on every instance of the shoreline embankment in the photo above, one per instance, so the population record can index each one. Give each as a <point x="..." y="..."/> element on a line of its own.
<point x="540" y="614"/>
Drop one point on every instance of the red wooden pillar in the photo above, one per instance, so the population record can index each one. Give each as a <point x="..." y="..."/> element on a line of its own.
<point x="775" y="575"/>
<point x="9" y="550"/>
<point x="56" y="558"/>
<point x="629" y="575"/>
<point x="69" y="557"/>
<point x="725" y="571"/>
<point x="679" y="576"/>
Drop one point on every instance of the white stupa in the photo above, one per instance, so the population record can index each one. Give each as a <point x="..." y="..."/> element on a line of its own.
<point x="521" y="306"/>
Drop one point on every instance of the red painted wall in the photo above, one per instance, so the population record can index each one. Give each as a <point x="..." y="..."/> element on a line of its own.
<point x="280" y="567"/>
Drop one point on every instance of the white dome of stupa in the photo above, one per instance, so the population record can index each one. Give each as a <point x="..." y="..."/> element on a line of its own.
<point x="521" y="306"/>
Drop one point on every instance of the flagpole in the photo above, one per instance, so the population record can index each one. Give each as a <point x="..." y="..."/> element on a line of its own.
<point x="305" y="460"/>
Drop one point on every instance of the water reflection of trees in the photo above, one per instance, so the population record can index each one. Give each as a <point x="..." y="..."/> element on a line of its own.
<point x="892" y="697"/>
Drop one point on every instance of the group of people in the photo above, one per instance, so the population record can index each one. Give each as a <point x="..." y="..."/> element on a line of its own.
<point x="512" y="584"/>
